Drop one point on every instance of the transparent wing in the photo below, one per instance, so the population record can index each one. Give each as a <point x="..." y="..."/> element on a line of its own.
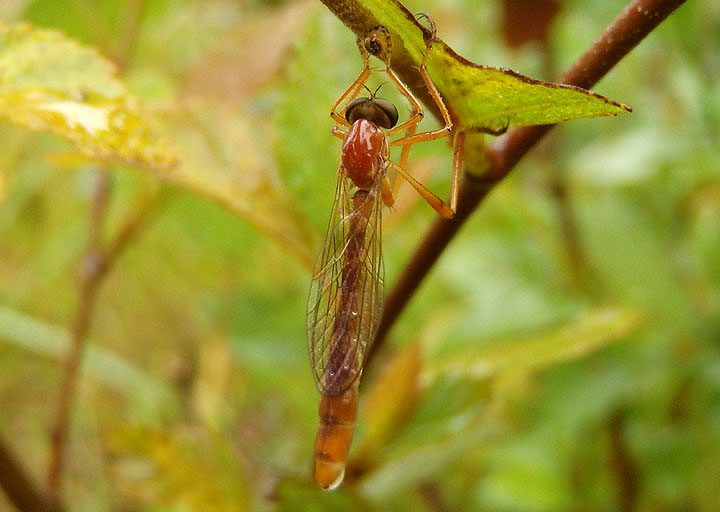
<point x="346" y="294"/>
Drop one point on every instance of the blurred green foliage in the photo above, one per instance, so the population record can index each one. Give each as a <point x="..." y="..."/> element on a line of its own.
<point x="568" y="339"/>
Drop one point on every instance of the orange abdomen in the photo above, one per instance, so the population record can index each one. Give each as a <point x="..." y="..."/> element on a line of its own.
<point x="332" y="443"/>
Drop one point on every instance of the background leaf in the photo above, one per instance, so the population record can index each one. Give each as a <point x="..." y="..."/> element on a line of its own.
<point x="48" y="82"/>
<point x="588" y="333"/>
<point x="391" y="399"/>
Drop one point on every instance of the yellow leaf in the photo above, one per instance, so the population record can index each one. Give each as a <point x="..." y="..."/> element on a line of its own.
<point x="51" y="83"/>
<point x="184" y="468"/>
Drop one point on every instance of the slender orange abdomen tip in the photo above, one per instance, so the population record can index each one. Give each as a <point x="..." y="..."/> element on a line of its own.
<point x="332" y="443"/>
<point x="329" y="475"/>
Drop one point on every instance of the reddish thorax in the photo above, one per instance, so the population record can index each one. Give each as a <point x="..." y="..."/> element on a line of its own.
<point x="361" y="151"/>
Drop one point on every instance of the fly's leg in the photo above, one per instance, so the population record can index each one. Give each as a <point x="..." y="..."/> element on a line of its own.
<point x="440" y="206"/>
<point x="432" y="199"/>
<point x="388" y="192"/>
<point x="417" y="110"/>
<point x="403" y="159"/>
<point x="410" y="138"/>
<point x="350" y="93"/>
<point x="379" y="44"/>
<point x="429" y="135"/>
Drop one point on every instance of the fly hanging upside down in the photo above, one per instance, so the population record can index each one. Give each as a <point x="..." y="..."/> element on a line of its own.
<point x="346" y="295"/>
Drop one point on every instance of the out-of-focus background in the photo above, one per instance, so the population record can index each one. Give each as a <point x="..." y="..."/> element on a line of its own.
<point x="563" y="355"/>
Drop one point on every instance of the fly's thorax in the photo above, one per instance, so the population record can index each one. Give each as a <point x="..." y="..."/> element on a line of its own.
<point x="363" y="153"/>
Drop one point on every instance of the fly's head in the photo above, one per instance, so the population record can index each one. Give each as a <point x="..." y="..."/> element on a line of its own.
<point x="379" y="111"/>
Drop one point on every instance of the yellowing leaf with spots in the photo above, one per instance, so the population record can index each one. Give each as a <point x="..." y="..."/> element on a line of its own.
<point x="51" y="83"/>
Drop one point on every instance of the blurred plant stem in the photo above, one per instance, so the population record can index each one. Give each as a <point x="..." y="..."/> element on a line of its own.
<point x="20" y="487"/>
<point x="580" y="272"/>
<point x="432" y="495"/>
<point x="622" y="466"/>
<point x="96" y="263"/>
<point x="93" y="267"/>
<point x="485" y="168"/>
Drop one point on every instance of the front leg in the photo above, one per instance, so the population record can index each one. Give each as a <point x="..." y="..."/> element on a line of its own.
<point x="350" y="94"/>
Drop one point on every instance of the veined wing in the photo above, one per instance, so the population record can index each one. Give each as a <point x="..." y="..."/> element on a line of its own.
<point x="346" y="294"/>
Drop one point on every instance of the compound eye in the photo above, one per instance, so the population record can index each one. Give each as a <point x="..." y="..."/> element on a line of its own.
<point x="391" y="114"/>
<point x="377" y="110"/>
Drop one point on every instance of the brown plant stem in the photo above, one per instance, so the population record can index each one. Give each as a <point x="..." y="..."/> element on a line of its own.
<point x="569" y="232"/>
<point x="621" y="464"/>
<point x="134" y="12"/>
<point x="631" y="26"/>
<point x="95" y="265"/>
<point x="432" y="496"/>
<point x="97" y="262"/>
<point x="20" y="487"/>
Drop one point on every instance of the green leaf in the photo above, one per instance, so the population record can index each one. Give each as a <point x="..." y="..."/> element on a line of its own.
<point x="526" y="474"/>
<point x="482" y="98"/>
<point x="51" y="83"/>
<point x="587" y="334"/>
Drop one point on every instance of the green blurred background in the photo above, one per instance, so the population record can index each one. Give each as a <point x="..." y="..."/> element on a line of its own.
<point x="563" y="355"/>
